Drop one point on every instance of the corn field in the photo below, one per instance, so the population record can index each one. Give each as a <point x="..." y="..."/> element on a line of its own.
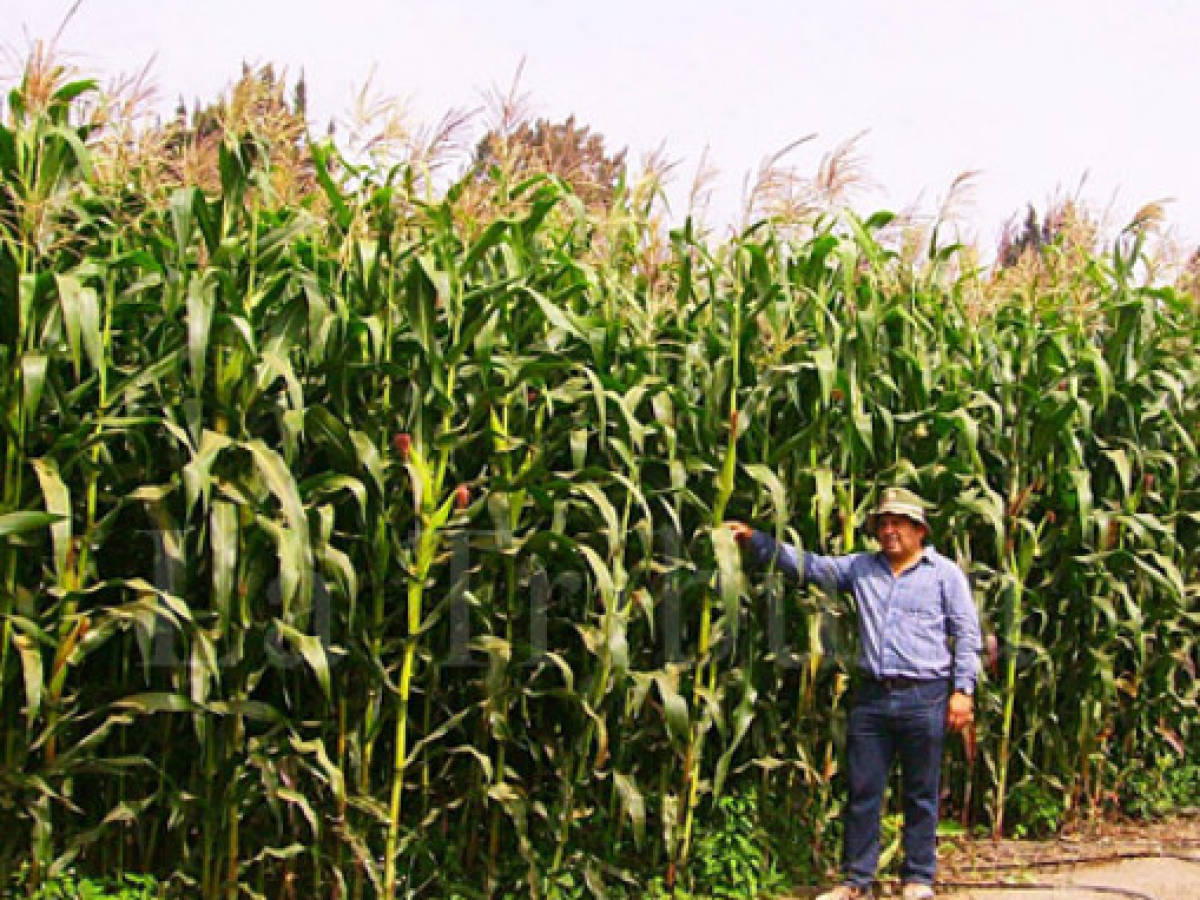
<point x="369" y="544"/>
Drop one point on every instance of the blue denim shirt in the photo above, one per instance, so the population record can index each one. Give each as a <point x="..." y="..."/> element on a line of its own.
<point x="920" y="624"/>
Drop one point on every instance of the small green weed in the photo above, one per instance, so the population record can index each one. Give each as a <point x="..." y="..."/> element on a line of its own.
<point x="731" y="859"/>
<point x="73" y="887"/>
<point x="1159" y="788"/>
<point x="1036" y="809"/>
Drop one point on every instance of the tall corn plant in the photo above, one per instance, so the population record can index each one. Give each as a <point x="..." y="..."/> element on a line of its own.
<point x="64" y="397"/>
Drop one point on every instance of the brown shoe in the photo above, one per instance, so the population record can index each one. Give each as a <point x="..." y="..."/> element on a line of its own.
<point x="845" y="892"/>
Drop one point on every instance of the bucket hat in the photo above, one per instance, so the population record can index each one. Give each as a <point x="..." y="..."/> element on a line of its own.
<point x="901" y="502"/>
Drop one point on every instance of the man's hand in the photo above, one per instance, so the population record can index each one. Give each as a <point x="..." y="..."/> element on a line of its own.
<point x="960" y="711"/>
<point x="741" y="531"/>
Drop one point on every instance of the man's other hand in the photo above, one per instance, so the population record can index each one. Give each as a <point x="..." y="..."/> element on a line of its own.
<point x="960" y="711"/>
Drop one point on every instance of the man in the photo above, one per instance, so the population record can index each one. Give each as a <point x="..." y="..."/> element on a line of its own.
<point x="918" y="656"/>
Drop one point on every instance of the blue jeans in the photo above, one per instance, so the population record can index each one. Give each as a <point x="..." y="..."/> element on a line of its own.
<point x="908" y="721"/>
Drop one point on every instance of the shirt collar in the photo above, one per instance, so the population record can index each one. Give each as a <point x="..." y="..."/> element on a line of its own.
<point x="928" y="555"/>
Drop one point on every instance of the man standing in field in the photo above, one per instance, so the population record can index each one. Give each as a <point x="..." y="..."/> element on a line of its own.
<point x="918" y="657"/>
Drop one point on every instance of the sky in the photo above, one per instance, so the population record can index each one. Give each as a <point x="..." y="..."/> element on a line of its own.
<point x="1043" y="99"/>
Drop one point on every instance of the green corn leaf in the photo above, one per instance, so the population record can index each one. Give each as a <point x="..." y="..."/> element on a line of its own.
<point x="675" y="707"/>
<point x="155" y="702"/>
<point x="598" y="726"/>
<point x="444" y="294"/>
<point x="295" y="550"/>
<point x="826" y="372"/>
<point x="633" y="805"/>
<point x="309" y="646"/>
<point x="74" y="89"/>
<point x="600" y="396"/>
<point x="70" y="292"/>
<point x="557" y="317"/>
<point x="31" y="669"/>
<point x="491" y="236"/>
<point x="627" y="403"/>
<point x="369" y="459"/>
<point x="579" y="442"/>
<point x="69" y="144"/>
<point x="57" y="499"/>
<point x="1164" y="571"/>
<point x="275" y="365"/>
<point x="729" y="567"/>
<point x="602" y="573"/>
<point x="180" y="208"/>
<point x="1120" y="460"/>
<point x="823" y="499"/>
<point x="223" y="535"/>
<point x="322" y="153"/>
<point x="22" y="522"/>
<point x="779" y="502"/>
<point x="968" y="429"/>
<point x="33" y="382"/>
<point x="300" y="802"/>
<point x="330" y="773"/>
<point x="197" y="474"/>
<point x="27" y="289"/>
<point x="989" y="506"/>
<point x="339" y="566"/>
<point x="446" y="727"/>
<point x="618" y="644"/>
<point x="327" y="431"/>
<point x="743" y="716"/>
<point x="1082" y="482"/>
<point x="89" y="327"/>
<point x="420" y="295"/>
<point x="201" y="302"/>
<point x="252" y="710"/>
<point x="203" y="670"/>
<point x="725" y="481"/>
<point x="613" y="532"/>
<point x="330" y="485"/>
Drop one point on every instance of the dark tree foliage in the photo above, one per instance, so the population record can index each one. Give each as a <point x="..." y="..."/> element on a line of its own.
<point x="1028" y="235"/>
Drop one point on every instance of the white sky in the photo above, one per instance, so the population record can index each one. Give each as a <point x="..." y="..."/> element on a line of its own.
<point x="1036" y="94"/>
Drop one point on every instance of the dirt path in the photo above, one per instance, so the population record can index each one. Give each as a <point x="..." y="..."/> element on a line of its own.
<point x="1144" y="861"/>
<point x="1160" y="860"/>
<point x="1162" y="879"/>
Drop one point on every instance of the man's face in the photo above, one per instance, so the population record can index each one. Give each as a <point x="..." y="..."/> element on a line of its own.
<point x="899" y="536"/>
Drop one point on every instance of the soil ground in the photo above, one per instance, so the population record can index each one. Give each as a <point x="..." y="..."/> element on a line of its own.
<point x="1156" y="860"/>
<point x="1159" y="860"/>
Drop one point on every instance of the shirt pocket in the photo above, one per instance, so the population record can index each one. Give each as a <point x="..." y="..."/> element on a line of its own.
<point x="923" y="629"/>
<point x="920" y="608"/>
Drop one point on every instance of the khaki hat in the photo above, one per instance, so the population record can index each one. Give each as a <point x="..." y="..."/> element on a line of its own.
<point x="901" y="502"/>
